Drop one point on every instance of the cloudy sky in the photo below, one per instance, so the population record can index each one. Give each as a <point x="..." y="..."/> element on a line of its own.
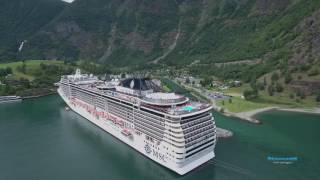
<point x="69" y="1"/>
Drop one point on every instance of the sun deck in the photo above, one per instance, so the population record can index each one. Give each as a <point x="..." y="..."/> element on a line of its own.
<point x="172" y="104"/>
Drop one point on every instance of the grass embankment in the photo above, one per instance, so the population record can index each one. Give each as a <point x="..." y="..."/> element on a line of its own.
<point x="240" y="105"/>
<point x="283" y="100"/>
<point x="31" y="67"/>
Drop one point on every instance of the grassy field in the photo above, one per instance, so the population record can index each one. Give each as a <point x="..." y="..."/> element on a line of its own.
<point x="264" y="100"/>
<point x="31" y="66"/>
<point x="240" y="105"/>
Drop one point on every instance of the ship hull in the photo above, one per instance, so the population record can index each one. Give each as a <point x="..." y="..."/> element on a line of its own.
<point x="138" y="142"/>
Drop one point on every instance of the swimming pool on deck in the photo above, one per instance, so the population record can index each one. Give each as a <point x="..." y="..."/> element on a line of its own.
<point x="188" y="108"/>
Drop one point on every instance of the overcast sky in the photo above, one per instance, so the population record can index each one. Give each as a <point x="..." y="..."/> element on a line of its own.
<point x="69" y="1"/>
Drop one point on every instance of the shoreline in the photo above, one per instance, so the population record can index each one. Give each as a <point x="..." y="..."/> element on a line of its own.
<point x="38" y="96"/>
<point x="249" y="116"/>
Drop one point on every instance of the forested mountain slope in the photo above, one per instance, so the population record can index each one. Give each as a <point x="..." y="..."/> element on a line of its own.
<point x="129" y="32"/>
<point x="21" y="19"/>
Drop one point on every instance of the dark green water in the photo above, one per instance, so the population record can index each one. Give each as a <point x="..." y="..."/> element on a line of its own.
<point x="40" y="140"/>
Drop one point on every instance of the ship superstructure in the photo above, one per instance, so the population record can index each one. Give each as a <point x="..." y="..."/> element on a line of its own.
<point x="166" y="127"/>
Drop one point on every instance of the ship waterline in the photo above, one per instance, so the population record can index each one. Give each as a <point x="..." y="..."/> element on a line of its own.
<point x="170" y="130"/>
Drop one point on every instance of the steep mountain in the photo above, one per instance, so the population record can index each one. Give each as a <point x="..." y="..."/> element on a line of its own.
<point x="178" y="32"/>
<point x="20" y="19"/>
<point x="116" y="31"/>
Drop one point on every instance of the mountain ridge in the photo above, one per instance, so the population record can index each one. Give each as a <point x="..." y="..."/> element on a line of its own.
<point x="133" y="32"/>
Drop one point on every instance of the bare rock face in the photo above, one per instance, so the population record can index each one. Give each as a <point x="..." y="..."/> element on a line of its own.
<point x="136" y="41"/>
<point x="178" y="32"/>
<point x="107" y="30"/>
<point x="307" y="46"/>
<point x="307" y="87"/>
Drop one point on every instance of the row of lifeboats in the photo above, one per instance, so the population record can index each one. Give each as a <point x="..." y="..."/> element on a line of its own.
<point x="99" y="114"/>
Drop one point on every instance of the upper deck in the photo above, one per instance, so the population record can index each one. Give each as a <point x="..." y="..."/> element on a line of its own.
<point x="163" y="103"/>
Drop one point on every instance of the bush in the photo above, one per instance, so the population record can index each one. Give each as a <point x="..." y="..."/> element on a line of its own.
<point x="318" y="97"/>
<point x="301" y="94"/>
<point x="275" y="77"/>
<point x="5" y="72"/>
<point x="305" y="67"/>
<point x="279" y="87"/>
<point x="250" y="94"/>
<point x="313" y="72"/>
<point x="287" y="78"/>
<point x="291" y="96"/>
<point x="8" y="70"/>
<point x="260" y="86"/>
<point x="270" y="90"/>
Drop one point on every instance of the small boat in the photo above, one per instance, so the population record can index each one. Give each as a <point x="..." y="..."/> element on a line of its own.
<point x="67" y="108"/>
<point x="6" y="99"/>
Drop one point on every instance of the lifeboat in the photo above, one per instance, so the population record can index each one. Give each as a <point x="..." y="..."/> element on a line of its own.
<point x="120" y="122"/>
<point x="126" y="132"/>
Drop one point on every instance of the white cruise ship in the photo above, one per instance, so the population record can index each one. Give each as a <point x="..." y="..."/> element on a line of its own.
<point x="166" y="127"/>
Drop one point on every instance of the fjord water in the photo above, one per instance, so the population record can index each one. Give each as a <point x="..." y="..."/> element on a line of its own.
<point x="40" y="140"/>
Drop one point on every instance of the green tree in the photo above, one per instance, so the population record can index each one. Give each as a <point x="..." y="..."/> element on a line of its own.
<point x="2" y="73"/>
<point x="260" y="86"/>
<point x="318" y="97"/>
<point x="301" y="94"/>
<point x="206" y="81"/>
<point x="279" y="87"/>
<point x="265" y="81"/>
<point x="253" y="83"/>
<point x="275" y="77"/>
<point x="187" y="80"/>
<point x="250" y="94"/>
<point x="287" y="78"/>
<point x="9" y="70"/>
<point x="291" y="96"/>
<point x="270" y="90"/>
<point x="25" y="83"/>
<point x="313" y="72"/>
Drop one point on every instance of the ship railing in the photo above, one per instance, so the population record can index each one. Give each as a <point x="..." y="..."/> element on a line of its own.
<point x="164" y="101"/>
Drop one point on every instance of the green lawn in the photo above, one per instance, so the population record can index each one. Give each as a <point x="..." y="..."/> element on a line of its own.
<point x="283" y="100"/>
<point x="32" y="65"/>
<point x="237" y="91"/>
<point x="241" y="105"/>
<point x="264" y="100"/>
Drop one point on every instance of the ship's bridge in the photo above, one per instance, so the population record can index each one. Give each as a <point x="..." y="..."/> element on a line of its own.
<point x="164" y="99"/>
